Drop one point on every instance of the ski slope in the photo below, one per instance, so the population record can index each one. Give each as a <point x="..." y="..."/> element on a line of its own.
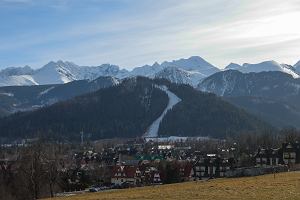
<point x="173" y="100"/>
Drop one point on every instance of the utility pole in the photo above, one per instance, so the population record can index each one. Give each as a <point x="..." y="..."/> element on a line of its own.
<point x="81" y="135"/>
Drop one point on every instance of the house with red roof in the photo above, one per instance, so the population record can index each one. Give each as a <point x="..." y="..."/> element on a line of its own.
<point x="126" y="175"/>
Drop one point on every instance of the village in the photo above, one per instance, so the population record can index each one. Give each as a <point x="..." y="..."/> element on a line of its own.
<point x="150" y="164"/>
<point x="94" y="167"/>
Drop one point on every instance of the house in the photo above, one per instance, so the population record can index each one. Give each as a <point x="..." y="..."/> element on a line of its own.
<point x="291" y="153"/>
<point x="150" y="175"/>
<point x="268" y="157"/>
<point x="165" y="147"/>
<point x="186" y="171"/>
<point x="122" y="174"/>
<point x="210" y="166"/>
<point x="224" y="166"/>
<point x="156" y="178"/>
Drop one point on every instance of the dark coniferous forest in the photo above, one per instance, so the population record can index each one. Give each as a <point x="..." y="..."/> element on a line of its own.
<point x="128" y="109"/>
<point x="204" y="114"/>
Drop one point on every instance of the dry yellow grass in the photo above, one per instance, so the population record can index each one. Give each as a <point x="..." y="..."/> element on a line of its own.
<point x="284" y="186"/>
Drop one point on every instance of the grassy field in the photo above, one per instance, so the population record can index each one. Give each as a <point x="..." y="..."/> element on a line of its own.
<point x="284" y="186"/>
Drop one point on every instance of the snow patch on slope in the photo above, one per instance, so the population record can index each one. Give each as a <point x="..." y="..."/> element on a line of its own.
<point x="17" y="80"/>
<point x="57" y="72"/>
<point x="180" y="76"/>
<point x="46" y="91"/>
<point x="173" y="100"/>
<point x="7" y="94"/>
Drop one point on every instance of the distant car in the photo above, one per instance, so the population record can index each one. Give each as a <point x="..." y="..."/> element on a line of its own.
<point x="94" y="189"/>
<point x="115" y="187"/>
<point x="104" y="188"/>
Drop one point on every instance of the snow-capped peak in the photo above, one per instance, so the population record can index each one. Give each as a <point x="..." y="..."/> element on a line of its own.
<point x="194" y="63"/>
<point x="15" y="71"/>
<point x="146" y="70"/>
<point x="190" y="70"/>
<point x="58" y="64"/>
<point x="233" y="66"/>
<point x="57" y="72"/>
<point x="267" y="66"/>
<point x="263" y="66"/>
<point x="16" y="76"/>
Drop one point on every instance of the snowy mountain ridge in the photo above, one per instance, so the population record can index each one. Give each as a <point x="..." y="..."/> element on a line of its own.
<point x="183" y="71"/>
<point x="189" y="71"/>
<point x="57" y="73"/>
<point x="264" y="67"/>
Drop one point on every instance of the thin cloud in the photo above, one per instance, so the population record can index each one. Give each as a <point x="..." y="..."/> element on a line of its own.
<point x="142" y="32"/>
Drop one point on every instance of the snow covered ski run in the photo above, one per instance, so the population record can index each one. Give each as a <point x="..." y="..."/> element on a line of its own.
<point x="152" y="131"/>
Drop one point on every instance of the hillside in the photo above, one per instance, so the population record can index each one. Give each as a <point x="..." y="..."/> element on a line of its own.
<point x="272" y="96"/>
<point x="284" y="186"/>
<point x="128" y="109"/>
<point x="125" y="110"/>
<point x="23" y="98"/>
<point x="202" y="114"/>
<point x="279" y="114"/>
<point x="3" y="113"/>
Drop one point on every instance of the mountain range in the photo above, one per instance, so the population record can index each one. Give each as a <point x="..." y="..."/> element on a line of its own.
<point x="183" y="71"/>
<point x="192" y="70"/>
<point x="56" y="73"/>
<point x="273" y="96"/>
<point x="62" y="98"/>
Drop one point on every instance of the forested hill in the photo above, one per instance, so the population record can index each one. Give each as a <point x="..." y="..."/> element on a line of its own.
<point x="205" y="114"/>
<point x="128" y="109"/>
<point x="271" y="96"/>
<point x="2" y="112"/>
<point x="125" y="110"/>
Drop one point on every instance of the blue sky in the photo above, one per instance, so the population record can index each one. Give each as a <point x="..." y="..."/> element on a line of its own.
<point x="131" y="33"/>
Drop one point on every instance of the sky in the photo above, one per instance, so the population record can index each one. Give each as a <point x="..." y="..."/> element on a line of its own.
<point x="132" y="33"/>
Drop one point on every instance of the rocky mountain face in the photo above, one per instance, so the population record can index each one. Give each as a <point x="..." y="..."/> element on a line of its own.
<point x="274" y="96"/>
